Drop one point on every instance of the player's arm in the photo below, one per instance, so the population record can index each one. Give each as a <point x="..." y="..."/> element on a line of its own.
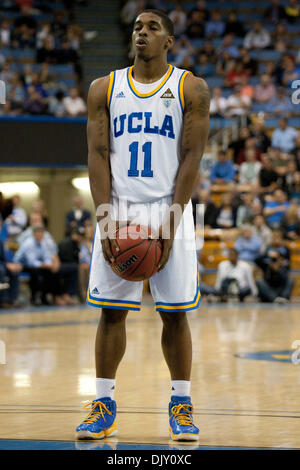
<point x="98" y="129"/>
<point x="194" y="138"/>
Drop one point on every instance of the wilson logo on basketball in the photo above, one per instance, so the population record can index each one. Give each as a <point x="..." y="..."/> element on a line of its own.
<point x="121" y="267"/>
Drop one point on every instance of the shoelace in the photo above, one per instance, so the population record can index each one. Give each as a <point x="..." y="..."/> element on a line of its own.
<point x="93" y="414"/>
<point x="182" y="414"/>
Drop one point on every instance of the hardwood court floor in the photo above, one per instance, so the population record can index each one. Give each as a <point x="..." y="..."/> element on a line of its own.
<point x="244" y="386"/>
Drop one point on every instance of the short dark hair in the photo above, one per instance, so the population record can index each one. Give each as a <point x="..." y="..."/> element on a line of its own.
<point x="166" y="21"/>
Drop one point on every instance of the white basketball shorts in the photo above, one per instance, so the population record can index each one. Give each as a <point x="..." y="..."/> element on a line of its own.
<point x="175" y="288"/>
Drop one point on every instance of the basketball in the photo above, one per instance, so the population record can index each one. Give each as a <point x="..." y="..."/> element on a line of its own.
<point x="139" y="255"/>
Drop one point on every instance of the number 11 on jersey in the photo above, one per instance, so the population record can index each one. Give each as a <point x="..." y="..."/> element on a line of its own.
<point x="134" y="150"/>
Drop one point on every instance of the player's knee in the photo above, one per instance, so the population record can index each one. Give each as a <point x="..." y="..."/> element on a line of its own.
<point x="112" y="316"/>
<point x="171" y="319"/>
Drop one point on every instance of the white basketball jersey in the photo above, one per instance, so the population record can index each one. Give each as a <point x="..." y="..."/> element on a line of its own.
<point x="145" y="135"/>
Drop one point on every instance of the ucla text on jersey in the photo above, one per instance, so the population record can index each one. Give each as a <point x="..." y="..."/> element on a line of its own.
<point x="145" y="134"/>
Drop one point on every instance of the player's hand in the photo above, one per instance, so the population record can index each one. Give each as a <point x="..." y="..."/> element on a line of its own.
<point x="108" y="239"/>
<point x="167" y="244"/>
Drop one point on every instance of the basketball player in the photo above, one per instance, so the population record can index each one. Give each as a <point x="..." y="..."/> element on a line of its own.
<point x="147" y="129"/>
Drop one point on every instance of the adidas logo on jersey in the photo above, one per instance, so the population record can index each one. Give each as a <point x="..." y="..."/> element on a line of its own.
<point x="95" y="291"/>
<point x="120" y="95"/>
<point x="167" y="97"/>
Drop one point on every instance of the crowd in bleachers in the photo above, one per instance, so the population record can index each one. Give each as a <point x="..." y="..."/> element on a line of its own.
<point x="249" y="55"/>
<point x="40" y="58"/>
<point x="57" y="273"/>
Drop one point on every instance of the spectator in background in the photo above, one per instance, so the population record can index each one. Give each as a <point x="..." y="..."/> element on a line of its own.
<point x="290" y="72"/>
<point x="276" y="285"/>
<point x="84" y="261"/>
<point x="38" y="260"/>
<point x="17" y="220"/>
<point x="292" y="11"/>
<point x="250" y="65"/>
<point x="290" y="223"/>
<point x="238" y="105"/>
<point x="278" y="244"/>
<point x="228" y="45"/>
<point x="295" y="189"/>
<point x="262" y="231"/>
<point x="195" y="26"/>
<point x="223" y="170"/>
<point x="201" y="10"/>
<point x="36" y="219"/>
<point x="34" y="103"/>
<point x="218" y="104"/>
<point x="74" y="104"/>
<point x="214" y="27"/>
<point x="275" y="209"/>
<point x="38" y="207"/>
<point x="267" y="175"/>
<point x="183" y="49"/>
<point x="210" y="209"/>
<point x="233" y="26"/>
<point x="235" y="272"/>
<point x="5" y="34"/>
<point x="250" y="169"/>
<point x="265" y="90"/>
<point x="274" y="13"/>
<point x="262" y="140"/>
<point x="237" y="145"/>
<point x="6" y="73"/>
<point x="246" y="88"/>
<point x="78" y="217"/>
<point x="59" y="26"/>
<point x="209" y="50"/>
<point x="257" y="38"/>
<point x="280" y="105"/>
<point x="284" y="137"/>
<point x="248" y="209"/>
<point x="226" y="213"/>
<point x="57" y="105"/>
<point x="236" y="74"/>
<point x="68" y="252"/>
<point x="9" y="274"/>
<point x="25" y="19"/>
<point x="203" y="67"/>
<point x="179" y="18"/>
<point x="248" y="245"/>
<point x="281" y="38"/>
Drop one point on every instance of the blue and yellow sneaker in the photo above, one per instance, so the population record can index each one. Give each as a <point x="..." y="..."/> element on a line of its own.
<point x="101" y="420"/>
<point x="182" y="427"/>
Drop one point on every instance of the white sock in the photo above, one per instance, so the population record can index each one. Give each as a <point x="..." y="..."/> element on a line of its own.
<point x="105" y="388"/>
<point x="181" y="388"/>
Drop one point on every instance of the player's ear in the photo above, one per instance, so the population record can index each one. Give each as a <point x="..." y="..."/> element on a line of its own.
<point x="170" y="42"/>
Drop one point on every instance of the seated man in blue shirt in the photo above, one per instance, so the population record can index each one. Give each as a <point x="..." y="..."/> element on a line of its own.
<point x="223" y="170"/>
<point x="9" y="274"/>
<point x="284" y="137"/>
<point x="248" y="245"/>
<point x="274" y="210"/>
<point x="37" y="259"/>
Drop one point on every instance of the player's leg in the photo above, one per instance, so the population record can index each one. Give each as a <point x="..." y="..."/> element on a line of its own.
<point x="176" y="291"/>
<point x="177" y="350"/>
<point x="177" y="345"/>
<point x="110" y="347"/>
<point x="110" y="343"/>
